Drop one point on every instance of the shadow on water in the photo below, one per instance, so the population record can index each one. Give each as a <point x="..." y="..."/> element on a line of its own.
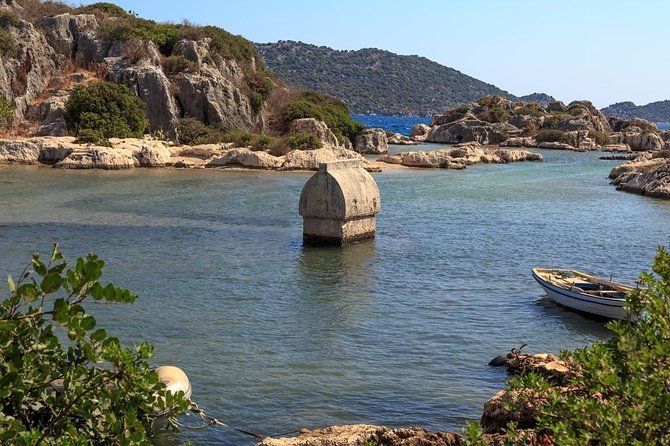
<point x="575" y="321"/>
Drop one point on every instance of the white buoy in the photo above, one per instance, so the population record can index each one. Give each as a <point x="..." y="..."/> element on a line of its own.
<point x="174" y="379"/>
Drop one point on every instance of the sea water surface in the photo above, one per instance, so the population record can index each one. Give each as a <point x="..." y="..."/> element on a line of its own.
<point x="396" y="331"/>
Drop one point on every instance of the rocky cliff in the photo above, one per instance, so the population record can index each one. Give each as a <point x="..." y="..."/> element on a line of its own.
<point x="177" y="70"/>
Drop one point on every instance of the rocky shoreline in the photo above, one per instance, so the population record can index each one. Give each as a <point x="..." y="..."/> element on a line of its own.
<point x="504" y="407"/>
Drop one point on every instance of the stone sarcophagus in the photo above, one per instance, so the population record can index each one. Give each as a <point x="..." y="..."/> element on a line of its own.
<point x="339" y="204"/>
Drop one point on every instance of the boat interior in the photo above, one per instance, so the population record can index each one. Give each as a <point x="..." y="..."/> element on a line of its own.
<point x="579" y="282"/>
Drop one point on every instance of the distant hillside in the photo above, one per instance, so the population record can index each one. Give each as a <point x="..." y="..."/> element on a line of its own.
<point x="372" y="81"/>
<point x="540" y="98"/>
<point x="655" y="111"/>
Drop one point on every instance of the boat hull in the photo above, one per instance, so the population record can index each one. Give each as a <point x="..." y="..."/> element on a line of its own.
<point x="610" y="308"/>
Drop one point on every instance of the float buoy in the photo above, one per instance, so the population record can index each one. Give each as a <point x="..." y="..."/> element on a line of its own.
<point x="174" y="379"/>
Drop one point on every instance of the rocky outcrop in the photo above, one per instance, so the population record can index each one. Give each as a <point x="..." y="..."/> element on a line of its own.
<point x="419" y="132"/>
<point x="315" y="127"/>
<point x="467" y="130"/>
<point x="459" y="156"/>
<point x="400" y="140"/>
<point x="246" y="158"/>
<point x="18" y="152"/>
<point x="643" y="141"/>
<point x="521" y="141"/>
<point x="646" y="175"/>
<point x="371" y="140"/>
<point x="364" y="434"/>
<point x="310" y="159"/>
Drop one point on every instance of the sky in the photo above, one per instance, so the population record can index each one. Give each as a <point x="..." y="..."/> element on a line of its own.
<point x="605" y="51"/>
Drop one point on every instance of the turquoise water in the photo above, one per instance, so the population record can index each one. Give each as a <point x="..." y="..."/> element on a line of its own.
<point x="397" y="331"/>
<point x="396" y="124"/>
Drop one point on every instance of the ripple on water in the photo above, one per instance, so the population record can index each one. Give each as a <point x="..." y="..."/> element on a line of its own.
<point x="397" y="331"/>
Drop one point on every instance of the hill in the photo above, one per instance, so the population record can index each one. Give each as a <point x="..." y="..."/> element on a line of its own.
<point x="372" y="81"/>
<point x="655" y="111"/>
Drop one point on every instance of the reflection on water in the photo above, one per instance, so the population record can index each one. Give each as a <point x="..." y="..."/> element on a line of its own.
<point x="395" y="331"/>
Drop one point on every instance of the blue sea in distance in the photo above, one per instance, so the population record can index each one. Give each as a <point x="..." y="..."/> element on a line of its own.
<point x="396" y="124"/>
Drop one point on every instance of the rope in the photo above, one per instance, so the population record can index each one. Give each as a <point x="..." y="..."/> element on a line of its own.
<point x="211" y="421"/>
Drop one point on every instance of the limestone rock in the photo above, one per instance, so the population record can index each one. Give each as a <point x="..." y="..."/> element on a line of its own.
<point x="469" y="130"/>
<point x="648" y="175"/>
<point x="245" y="158"/>
<point x="315" y="127"/>
<point x="371" y="141"/>
<point x="310" y="159"/>
<point x="97" y="157"/>
<point x="519" y="406"/>
<point x="419" y="132"/>
<point x="460" y="156"/>
<point x="18" y="152"/>
<point x="400" y="140"/>
<point x="62" y="32"/>
<point x="557" y="106"/>
<point x="192" y="50"/>
<point x="362" y="434"/>
<point x="644" y="141"/>
<point x="555" y="145"/>
<point x="136" y="50"/>
<point x="527" y="141"/>
<point x="55" y="149"/>
<point x="151" y="85"/>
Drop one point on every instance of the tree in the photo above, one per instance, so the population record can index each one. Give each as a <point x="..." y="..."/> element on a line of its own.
<point x="82" y="390"/>
<point x="105" y="109"/>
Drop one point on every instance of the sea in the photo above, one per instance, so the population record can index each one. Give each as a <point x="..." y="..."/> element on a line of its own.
<point x="397" y="331"/>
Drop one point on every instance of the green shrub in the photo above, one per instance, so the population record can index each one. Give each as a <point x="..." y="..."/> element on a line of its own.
<point x="8" y="44"/>
<point x="103" y="10"/>
<point x="620" y="395"/>
<point x="263" y="142"/>
<point x="489" y="101"/>
<point x="576" y="110"/>
<point x="34" y="9"/>
<point x="331" y="111"/>
<point x="90" y="136"/>
<point x="178" y="64"/>
<point x="164" y="35"/>
<point x="304" y="141"/>
<point x="494" y="114"/>
<point x="106" y="108"/>
<point x="529" y="111"/>
<point x="110" y="396"/>
<point x="256" y="101"/>
<point x="6" y="113"/>
<point x="192" y="131"/>
<point x="550" y="136"/>
<point x="601" y="138"/>
<point x="8" y="18"/>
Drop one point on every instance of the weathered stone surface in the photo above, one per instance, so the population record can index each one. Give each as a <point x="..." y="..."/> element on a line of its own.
<point x="643" y="141"/>
<point x="96" y="157"/>
<point x="648" y="175"/>
<point x="419" y="132"/>
<point x="371" y="141"/>
<point x="616" y="148"/>
<point x="362" y="434"/>
<point x="315" y="127"/>
<point x="555" y="145"/>
<point x="245" y="158"/>
<point x="580" y="139"/>
<point x="459" y="156"/>
<point x="557" y="106"/>
<point x="310" y="159"/>
<point x="18" y="152"/>
<point x="63" y="31"/>
<point x="469" y="130"/>
<point x="522" y="141"/>
<point x="400" y="140"/>
<point x="135" y="50"/>
<point x="151" y="85"/>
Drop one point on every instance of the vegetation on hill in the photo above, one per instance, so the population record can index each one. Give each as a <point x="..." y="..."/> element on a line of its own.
<point x="654" y="111"/>
<point x="101" y="110"/>
<point x="6" y="113"/>
<point x="537" y="98"/>
<point x="331" y="111"/>
<point x="374" y="81"/>
<point x="108" y="394"/>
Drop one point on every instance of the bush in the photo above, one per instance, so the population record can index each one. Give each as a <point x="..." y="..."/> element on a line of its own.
<point x="550" y="136"/>
<point x="192" y="131"/>
<point x="620" y="395"/>
<point x="489" y="101"/>
<point x="178" y="64"/>
<point x="495" y="114"/>
<point x="90" y="136"/>
<point x="34" y="9"/>
<point x="529" y="111"/>
<point x="601" y="138"/>
<point x="303" y="141"/>
<point x="106" y="108"/>
<point x="6" y="113"/>
<point x="256" y="101"/>
<point x="331" y="111"/>
<point x="110" y="395"/>
<point x="8" y="44"/>
<point x="264" y="142"/>
<point x="8" y="18"/>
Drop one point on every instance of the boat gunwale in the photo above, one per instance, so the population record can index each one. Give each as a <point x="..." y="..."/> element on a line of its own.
<point x="599" y="300"/>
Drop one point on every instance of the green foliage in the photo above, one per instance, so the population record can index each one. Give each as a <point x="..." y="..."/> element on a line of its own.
<point x="303" y="141"/>
<point x="472" y="434"/>
<point x="494" y="114"/>
<point x="329" y="110"/>
<point x="577" y="110"/>
<point x="35" y="9"/>
<point x="550" y="136"/>
<point x="106" y="108"/>
<point x="489" y="101"/>
<point x="6" y="113"/>
<point x="601" y="138"/>
<point x="374" y="81"/>
<point x="529" y="110"/>
<point x="8" y="44"/>
<point x="8" y="18"/>
<point x="164" y="35"/>
<point x="109" y="395"/>
<point x="178" y="64"/>
<point x="256" y="101"/>
<point x="90" y="136"/>
<point x="192" y="131"/>
<point x="623" y="396"/>
<point x="102" y="9"/>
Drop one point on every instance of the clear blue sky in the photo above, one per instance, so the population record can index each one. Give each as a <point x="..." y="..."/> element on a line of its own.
<point x="604" y="51"/>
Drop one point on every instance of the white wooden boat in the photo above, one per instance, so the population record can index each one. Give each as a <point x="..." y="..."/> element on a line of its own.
<point x="583" y="292"/>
